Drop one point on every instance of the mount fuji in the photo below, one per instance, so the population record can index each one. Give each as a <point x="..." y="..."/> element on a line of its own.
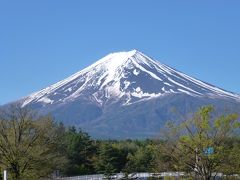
<point x="128" y="95"/>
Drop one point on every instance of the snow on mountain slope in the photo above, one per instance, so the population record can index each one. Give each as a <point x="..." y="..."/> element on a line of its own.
<point x="126" y="76"/>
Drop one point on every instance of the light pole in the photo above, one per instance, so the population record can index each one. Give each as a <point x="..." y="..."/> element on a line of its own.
<point x="5" y="175"/>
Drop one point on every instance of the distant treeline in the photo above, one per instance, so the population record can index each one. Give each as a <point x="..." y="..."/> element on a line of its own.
<point x="33" y="147"/>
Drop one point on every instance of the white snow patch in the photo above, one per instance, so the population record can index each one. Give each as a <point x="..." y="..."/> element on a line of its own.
<point x="136" y="72"/>
<point x="143" y="69"/>
<point x="126" y="84"/>
<point x="113" y="91"/>
<point x="138" y="89"/>
<point x="68" y="90"/>
<point x="46" y="100"/>
<point x="184" y="86"/>
<point x="140" y="94"/>
<point x="167" y="84"/>
<point x="191" y="94"/>
<point x="98" y="100"/>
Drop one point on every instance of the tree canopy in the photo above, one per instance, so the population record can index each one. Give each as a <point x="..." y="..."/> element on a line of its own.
<point x="28" y="144"/>
<point x="33" y="147"/>
<point x="199" y="145"/>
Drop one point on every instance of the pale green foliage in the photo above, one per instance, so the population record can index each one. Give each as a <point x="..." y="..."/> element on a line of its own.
<point x="143" y="160"/>
<point x="188" y="142"/>
<point x="28" y="144"/>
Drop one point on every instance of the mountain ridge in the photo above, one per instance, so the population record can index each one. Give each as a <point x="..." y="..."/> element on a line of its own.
<point x="126" y="95"/>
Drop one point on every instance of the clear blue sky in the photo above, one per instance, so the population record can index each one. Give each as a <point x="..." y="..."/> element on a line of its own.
<point x="44" y="41"/>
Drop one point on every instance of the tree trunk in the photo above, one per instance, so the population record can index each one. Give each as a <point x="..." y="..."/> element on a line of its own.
<point x="207" y="177"/>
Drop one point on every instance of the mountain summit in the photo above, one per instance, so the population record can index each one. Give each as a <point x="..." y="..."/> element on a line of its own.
<point x="129" y="76"/>
<point x="126" y="95"/>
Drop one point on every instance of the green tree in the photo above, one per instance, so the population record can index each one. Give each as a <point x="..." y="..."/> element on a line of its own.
<point x="81" y="151"/>
<point x="231" y="157"/>
<point x="143" y="160"/>
<point x="198" y="145"/>
<point x="29" y="146"/>
<point x="111" y="159"/>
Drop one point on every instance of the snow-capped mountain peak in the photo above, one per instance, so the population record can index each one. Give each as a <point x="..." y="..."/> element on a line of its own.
<point x="128" y="95"/>
<point x="127" y="77"/>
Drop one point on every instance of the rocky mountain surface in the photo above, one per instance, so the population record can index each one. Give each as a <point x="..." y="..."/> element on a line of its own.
<point x="128" y="95"/>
